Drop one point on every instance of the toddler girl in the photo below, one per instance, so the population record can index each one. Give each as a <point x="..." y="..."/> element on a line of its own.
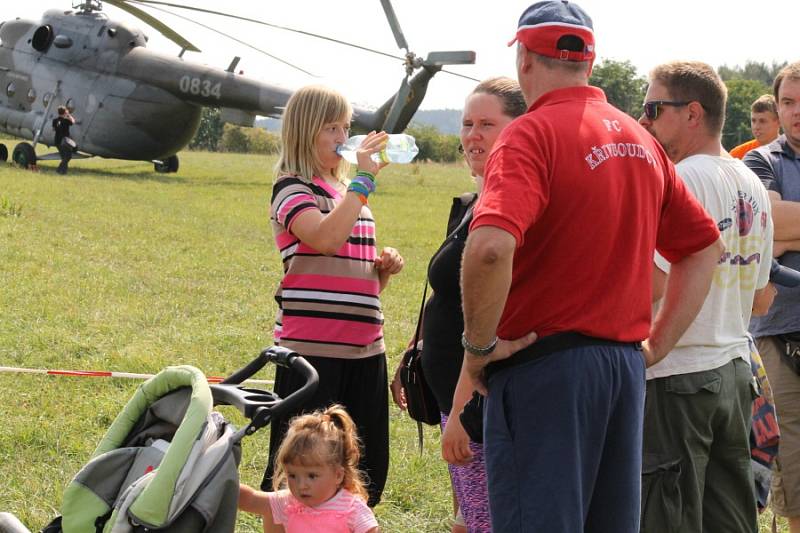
<point x="318" y="461"/>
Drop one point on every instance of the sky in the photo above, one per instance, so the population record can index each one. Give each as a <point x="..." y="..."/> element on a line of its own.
<point x="646" y="33"/>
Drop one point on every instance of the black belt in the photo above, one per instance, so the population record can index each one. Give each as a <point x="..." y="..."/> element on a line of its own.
<point x="557" y="342"/>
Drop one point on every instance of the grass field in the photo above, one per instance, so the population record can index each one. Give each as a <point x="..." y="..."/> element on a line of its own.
<point x="115" y="267"/>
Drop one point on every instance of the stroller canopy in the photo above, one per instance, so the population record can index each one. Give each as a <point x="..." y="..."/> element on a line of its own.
<point x="168" y="462"/>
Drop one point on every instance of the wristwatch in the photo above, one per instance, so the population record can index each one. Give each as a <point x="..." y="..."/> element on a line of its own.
<point x="480" y="351"/>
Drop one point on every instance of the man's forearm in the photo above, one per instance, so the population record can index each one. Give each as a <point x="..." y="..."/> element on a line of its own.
<point x="485" y="281"/>
<point x="687" y="287"/>
<point x="786" y="217"/>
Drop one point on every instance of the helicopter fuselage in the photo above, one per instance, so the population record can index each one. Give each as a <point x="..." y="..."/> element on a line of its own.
<point x="130" y="102"/>
<point x="135" y="103"/>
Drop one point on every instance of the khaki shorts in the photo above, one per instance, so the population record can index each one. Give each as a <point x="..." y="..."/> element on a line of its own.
<point x="786" y="391"/>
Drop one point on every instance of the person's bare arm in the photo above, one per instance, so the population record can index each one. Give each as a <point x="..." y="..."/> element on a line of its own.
<point x="257" y="502"/>
<point x="763" y="298"/>
<point x="659" y="283"/>
<point x="327" y="233"/>
<point x="686" y="289"/>
<point x="781" y="247"/>
<point x="485" y="281"/>
<point x="786" y="217"/>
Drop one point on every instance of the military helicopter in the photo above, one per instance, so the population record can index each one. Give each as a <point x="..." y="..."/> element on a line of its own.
<point x="139" y="104"/>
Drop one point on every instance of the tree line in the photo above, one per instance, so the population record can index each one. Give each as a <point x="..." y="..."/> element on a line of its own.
<point x="624" y="86"/>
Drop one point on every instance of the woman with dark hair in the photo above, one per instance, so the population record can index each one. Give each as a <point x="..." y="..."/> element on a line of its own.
<point x="488" y="109"/>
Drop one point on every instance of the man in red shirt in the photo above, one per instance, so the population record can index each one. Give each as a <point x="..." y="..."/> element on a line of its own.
<point x="577" y="198"/>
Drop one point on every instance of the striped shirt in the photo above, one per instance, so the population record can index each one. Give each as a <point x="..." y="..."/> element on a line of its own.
<point x="328" y="305"/>
<point x="344" y="511"/>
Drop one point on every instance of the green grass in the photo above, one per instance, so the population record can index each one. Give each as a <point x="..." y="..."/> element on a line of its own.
<point x="115" y="267"/>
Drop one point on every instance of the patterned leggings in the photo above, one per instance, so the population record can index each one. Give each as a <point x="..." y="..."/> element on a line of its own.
<point x="469" y="483"/>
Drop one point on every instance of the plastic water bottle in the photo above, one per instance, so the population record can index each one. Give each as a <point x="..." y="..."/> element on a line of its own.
<point x="400" y="148"/>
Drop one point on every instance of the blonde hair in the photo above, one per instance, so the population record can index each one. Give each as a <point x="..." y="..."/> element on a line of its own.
<point x="307" y="111"/>
<point x="326" y="437"/>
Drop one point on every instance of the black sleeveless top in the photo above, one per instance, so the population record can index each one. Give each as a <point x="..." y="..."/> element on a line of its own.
<point x="443" y="322"/>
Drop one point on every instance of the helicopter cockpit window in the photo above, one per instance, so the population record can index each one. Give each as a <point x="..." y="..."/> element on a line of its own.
<point x="42" y="38"/>
<point x="11" y="90"/>
<point x="31" y="95"/>
<point x="46" y="99"/>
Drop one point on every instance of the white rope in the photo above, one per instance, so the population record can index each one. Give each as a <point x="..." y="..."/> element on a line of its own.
<point x="106" y="374"/>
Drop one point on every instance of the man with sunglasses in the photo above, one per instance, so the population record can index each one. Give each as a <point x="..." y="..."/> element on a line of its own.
<point x="699" y="399"/>
<point x="777" y="334"/>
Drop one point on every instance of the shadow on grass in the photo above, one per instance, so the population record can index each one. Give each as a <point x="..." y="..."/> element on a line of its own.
<point x="133" y="171"/>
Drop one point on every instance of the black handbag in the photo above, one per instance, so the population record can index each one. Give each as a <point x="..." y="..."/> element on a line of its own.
<point x="420" y="401"/>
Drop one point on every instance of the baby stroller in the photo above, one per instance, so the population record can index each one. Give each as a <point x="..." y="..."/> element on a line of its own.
<point x="169" y="462"/>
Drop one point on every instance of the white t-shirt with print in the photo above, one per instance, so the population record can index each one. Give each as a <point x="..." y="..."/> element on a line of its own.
<point x="738" y="202"/>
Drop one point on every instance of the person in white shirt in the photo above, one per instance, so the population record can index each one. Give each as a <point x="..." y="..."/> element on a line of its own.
<point x="696" y="457"/>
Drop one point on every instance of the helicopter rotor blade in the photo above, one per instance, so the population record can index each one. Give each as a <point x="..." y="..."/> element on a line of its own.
<point x="439" y="59"/>
<point x="276" y="58"/>
<point x="394" y="24"/>
<point x="262" y="23"/>
<point x="399" y="104"/>
<point x="156" y="24"/>
<point x="153" y="3"/>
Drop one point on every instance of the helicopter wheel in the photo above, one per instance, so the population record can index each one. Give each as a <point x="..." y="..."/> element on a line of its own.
<point x="24" y="155"/>
<point x="169" y="165"/>
<point x="3" y="153"/>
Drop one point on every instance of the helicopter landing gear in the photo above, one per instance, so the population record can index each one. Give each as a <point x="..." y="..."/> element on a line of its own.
<point x="168" y="166"/>
<point x="24" y="155"/>
<point x="3" y="153"/>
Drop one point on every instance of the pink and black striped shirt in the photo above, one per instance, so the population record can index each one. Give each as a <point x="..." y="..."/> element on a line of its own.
<point x="328" y="305"/>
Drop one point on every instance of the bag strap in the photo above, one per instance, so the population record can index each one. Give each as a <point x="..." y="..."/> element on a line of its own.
<point x="466" y="219"/>
<point x="421" y="312"/>
<point x="419" y="436"/>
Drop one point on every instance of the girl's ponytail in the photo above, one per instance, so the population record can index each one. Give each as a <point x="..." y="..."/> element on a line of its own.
<point x="325" y="437"/>
<point x="350" y="450"/>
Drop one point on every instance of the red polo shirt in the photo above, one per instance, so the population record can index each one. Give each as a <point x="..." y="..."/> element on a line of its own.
<point x="588" y="194"/>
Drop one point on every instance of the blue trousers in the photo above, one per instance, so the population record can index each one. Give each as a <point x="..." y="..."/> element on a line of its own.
<point x="563" y="442"/>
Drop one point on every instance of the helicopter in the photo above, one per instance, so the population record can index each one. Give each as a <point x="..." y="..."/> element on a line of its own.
<point x="138" y="104"/>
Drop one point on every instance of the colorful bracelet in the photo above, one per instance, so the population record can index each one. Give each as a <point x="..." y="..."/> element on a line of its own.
<point x="365" y="181"/>
<point x="366" y="174"/>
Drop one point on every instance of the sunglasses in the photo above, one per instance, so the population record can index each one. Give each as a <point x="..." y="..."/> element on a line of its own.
<point x="651" y="109"/>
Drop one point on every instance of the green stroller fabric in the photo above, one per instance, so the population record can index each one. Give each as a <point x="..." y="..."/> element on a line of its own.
<point x="168" y="463"/>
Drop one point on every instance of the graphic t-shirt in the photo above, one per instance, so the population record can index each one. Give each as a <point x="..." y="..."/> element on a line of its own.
<point x="738" y="202"/>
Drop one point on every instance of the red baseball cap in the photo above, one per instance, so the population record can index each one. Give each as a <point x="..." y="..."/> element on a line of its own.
<point x="544" y="24"/>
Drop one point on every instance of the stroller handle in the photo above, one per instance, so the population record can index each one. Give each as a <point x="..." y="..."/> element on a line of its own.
<point x="260" y="406"/>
